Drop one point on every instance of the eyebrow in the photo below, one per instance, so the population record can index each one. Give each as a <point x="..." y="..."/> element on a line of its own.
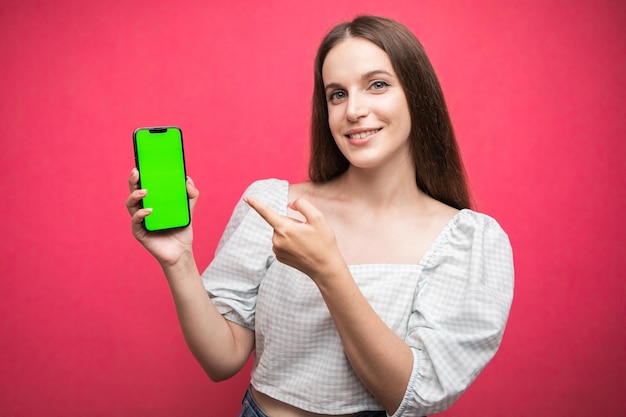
<point x="365" y="76"/>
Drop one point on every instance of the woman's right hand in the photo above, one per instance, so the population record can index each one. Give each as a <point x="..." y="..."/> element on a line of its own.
<point x="169" y="246"/>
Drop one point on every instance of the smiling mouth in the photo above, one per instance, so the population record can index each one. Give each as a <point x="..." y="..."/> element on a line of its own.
<point x="363" y="135"/>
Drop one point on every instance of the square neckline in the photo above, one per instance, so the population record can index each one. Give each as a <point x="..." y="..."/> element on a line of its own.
<point x="436" y="243"/>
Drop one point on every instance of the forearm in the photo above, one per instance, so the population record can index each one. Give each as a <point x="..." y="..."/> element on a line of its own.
<point x="221" y="347"/>
<point x="379" y="357"/>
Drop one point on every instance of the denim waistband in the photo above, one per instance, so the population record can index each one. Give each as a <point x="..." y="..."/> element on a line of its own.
<point x="251" y="409"/>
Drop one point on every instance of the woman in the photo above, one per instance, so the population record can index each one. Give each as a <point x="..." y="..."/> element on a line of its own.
<point x="372" y="289"/>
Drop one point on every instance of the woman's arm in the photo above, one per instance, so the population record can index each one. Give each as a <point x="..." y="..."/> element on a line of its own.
<point x="379" y="357"/>
<point x="220" y="346"/>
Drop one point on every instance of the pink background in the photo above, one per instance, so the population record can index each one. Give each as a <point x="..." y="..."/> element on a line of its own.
<point x="87" y="325"/>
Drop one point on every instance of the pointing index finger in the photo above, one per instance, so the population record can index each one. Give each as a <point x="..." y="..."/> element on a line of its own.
<point x="264" y="211"/>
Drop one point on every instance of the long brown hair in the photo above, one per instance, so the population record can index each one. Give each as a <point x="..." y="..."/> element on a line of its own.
<point x="439" y="170"/>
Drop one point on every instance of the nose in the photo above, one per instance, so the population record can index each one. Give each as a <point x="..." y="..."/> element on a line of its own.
<point x="356" y="107"/>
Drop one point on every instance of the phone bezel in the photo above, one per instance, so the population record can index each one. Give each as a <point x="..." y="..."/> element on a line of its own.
<point x="155" y="130"/>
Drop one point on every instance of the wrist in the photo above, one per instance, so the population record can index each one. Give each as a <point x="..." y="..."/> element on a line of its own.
<point x="179" y="266"/>
<point x="332" y="274"/>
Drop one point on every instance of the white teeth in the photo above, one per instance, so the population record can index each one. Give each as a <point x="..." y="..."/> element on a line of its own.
<point x="362" y="135"/>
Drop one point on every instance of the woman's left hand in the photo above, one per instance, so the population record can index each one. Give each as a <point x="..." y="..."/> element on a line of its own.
<point x="309" y="246"/>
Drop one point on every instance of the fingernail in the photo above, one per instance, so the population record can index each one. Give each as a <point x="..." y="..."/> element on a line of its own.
<point x="143" y="191"/>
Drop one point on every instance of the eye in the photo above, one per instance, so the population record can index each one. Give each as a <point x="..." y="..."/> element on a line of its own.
<point x="337" y="95"/>
<point x="379" y="85"/>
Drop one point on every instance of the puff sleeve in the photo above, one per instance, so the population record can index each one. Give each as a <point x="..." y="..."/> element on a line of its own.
<point x="459" y="312"/>
<point x="244" y="254"/>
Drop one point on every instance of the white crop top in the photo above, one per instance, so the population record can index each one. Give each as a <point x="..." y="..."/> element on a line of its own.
<point x="451" y="309"/>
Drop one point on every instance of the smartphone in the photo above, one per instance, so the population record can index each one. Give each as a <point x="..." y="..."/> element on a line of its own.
<point x="160" y="159"/>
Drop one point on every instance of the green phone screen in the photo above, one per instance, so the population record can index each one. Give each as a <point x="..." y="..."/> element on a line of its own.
<point x="160" y="160"/>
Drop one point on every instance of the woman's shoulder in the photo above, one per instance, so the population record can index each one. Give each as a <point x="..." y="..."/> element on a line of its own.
<point x="299" y="189"/>
<point x="475" y="246"/>
<point x="278" y="192"/>
<point x="475" y="221"/>
<point x="271" y="191"/>
<point x="265" y="185"/>
<point x="470" y="231"/>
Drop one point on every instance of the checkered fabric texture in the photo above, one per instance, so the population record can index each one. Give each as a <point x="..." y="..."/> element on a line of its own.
<point x="450" y="308"/>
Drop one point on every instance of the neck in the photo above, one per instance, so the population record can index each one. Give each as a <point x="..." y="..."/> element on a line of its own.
<point x="380" y="189"/>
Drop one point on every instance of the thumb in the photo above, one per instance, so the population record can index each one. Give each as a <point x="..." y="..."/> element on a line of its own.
<point x="308" y="210"/>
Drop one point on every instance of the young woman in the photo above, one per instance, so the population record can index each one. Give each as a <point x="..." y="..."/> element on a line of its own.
<point x="372" y="289"/>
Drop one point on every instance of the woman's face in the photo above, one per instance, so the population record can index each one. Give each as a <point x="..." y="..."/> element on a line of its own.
<point x="368" y="113"/>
